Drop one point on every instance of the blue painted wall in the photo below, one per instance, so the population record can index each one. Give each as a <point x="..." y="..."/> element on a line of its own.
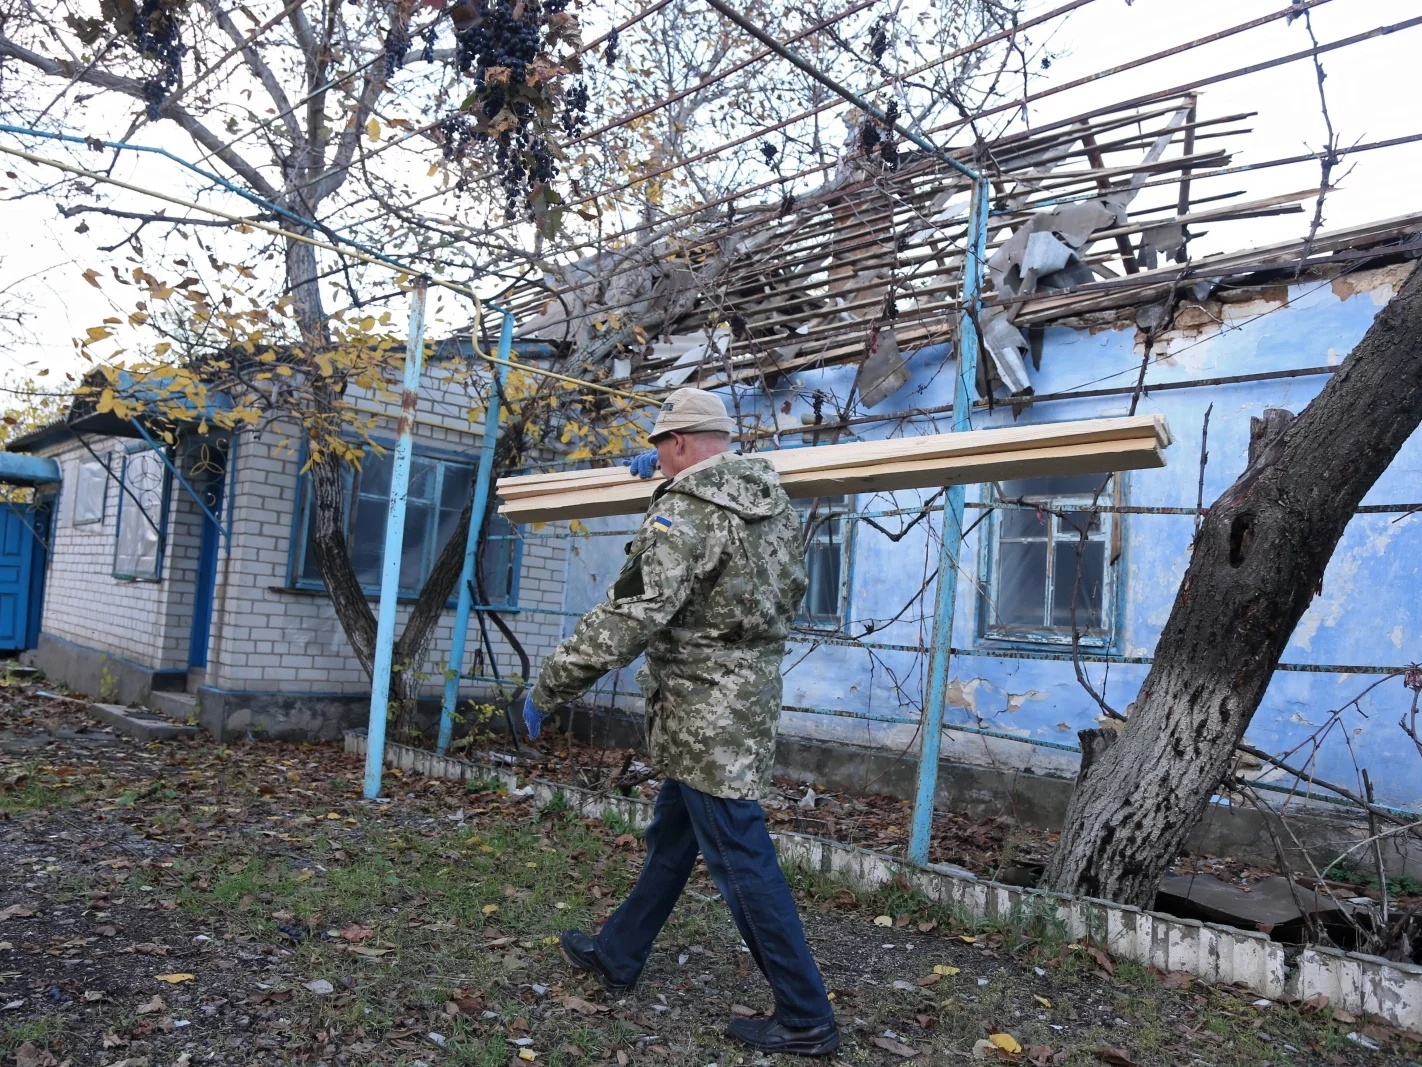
<point x="1368" y="612"/>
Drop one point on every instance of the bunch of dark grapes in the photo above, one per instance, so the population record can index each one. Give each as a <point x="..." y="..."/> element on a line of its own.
<point x="397" y="47"/>
<point x="879" y="38"/>
<point x="427" y="54"/>
<point x="155" y="34"/>
<point x="609" y="54"/>
<point x="575" y="110"/>
<point x="869" y="136"/>
<point x="888" y="150"/>
<point x="769" y="151"/>
<point x="506" y="37"/>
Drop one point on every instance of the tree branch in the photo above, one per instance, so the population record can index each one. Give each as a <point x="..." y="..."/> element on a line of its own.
<point x="258" y="66"/>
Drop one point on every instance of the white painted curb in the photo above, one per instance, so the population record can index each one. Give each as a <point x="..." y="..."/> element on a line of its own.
<point x="1219" y="954"/>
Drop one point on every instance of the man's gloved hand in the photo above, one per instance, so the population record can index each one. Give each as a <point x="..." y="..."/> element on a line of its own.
<point x="532" y="717"/>
<point x="643" y="466"/>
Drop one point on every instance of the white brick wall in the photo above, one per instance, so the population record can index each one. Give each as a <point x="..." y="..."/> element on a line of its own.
<point x="147" y="622"/>
<point x="268" y="636"/>
<point x="265" y="635"/>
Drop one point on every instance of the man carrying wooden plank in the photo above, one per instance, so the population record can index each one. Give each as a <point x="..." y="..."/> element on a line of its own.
<point x="711" y="584"/>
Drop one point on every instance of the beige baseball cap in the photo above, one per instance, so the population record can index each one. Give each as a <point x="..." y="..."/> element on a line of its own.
<point x="691" y="411"/>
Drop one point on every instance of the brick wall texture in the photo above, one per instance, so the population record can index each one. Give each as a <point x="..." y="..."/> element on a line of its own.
<point x="266" y="635"/>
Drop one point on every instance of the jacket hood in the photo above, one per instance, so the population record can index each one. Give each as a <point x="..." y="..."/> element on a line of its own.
<point x="745" y="485"/>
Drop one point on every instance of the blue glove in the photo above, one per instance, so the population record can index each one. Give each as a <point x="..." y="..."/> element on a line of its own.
<point x="643" y="466"/>
<point x="532" y="717"/>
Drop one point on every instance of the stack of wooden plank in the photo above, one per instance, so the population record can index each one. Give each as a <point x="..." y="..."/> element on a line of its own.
<point x="1091" y="446"/>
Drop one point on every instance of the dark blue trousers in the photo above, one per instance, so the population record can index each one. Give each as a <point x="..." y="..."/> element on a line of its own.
<point x="731" y="834"/>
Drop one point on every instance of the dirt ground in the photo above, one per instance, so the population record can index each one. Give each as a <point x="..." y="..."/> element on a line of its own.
<point x="183" y="903"/>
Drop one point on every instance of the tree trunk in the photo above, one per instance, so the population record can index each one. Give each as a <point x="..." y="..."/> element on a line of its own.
<point x="1257" y="563"/>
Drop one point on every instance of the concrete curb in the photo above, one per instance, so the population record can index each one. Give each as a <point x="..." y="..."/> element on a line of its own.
<point x="1218" y="954"/>
<point x="141" y="726"/>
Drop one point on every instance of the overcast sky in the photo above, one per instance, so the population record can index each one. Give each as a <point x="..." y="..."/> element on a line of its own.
<point x="1371" y="91"/>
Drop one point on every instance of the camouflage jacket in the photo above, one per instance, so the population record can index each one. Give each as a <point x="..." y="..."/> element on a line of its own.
<point x="711" y="583"/>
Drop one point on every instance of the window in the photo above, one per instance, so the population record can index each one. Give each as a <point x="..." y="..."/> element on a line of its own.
<point x="91" y="489"/>
<point x="499" y="563"/>
<point x="438" y="492"/>
<point x="1036" y="561"/>
<point x="143" y="500"/>
<point x="826" y="532"/>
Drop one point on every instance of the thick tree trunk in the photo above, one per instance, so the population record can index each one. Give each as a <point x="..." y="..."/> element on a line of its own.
<point x="1257" y="563"/>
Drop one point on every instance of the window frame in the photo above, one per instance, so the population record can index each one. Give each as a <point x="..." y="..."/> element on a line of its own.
<point x="301" y="525"/>
<point x="106" y="474"/>
<point x="803" y="507"/>
<point x="997" y="635"/>
<point x="162" y="523"/>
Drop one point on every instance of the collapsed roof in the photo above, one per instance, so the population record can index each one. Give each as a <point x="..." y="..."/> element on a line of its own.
<point x="870" y="264"/>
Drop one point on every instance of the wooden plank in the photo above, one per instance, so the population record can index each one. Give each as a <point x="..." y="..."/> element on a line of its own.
<point x="925" y="448"/>
<point x="1099" y="458"/>
<point x="625" y="495"/>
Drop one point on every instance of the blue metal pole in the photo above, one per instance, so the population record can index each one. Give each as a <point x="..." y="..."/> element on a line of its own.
<point x="946" y="587"/>
<point x="394" y="545"/>
<point x="482" y="481"/>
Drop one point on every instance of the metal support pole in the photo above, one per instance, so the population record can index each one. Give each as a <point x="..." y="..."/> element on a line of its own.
<point x="394" y="545"/>
<point x="482" y="480"/>
<point x="946" y="587"/>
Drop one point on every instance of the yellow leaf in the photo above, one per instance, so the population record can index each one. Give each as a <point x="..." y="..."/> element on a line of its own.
<point x="161" y="348"/>
<point x="527" y="1054"/>
<point x="92" y="277"/>
<point x="372" y="128"/>
<point x="434" y="169"/>
<point x="489" y="909"/>
<point x="1006" y="1042"/>
<point x="96" y="333"/>
<point x="1042" y="1000"/>
<point x="968" y="940"/>
<point x="884" y="920"/>
<point x="946" y="970"/>
<point x="333" y="815"/>
<point x="174" y="979"/>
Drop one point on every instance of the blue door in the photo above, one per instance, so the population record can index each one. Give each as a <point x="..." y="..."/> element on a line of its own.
<point x="22" y="559"/>
<point x="212" y="465"/>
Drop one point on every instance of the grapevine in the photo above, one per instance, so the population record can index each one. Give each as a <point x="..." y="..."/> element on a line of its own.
<point x="503" y="46"/>
<point x="879" y="38"/>
<point x="155" y="34"/>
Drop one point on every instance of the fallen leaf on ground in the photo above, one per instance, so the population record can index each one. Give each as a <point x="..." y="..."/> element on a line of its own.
<point x="930" y="979"/>
<point x="1042" y="1000"/>
<point x="966" y="939"/>
<point x="584" y="1007"/>
<point x="1006" y="1042"/>
<point x="883" y="920"/>
<point x="1341" y="1016"/>
<point x="902" y="921"/>
<point x="527" y="1054"/>
<point x="1102" y="960"/>
<point x="1313" y="1004"/>
<point x="983" y="1048"/>
<point x="1176" y="979"/>
<point x="898" y="1048"/>
<point x="16" y="911"/>
<point x="623" y="1059"/>
<point x="29" y="1056"/>
<point x="1114" y="1056"/>
<point x="320" y="987"/>
<point x="489" y="909"/>
<point x="174" y="979"/>
<point x="366" y="950"/>
<point x="928" y="927"/>
<point x="357" y="932"/>
<point x="944" y="969"/>
<point x="1040" y="1055"/>
<point x="155" y="1005"/>
<point x="743" y="1011"/>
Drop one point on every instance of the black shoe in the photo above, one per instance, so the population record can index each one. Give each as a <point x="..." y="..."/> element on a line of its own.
<point x="581" y="952"/>
<point x="772" y="1036"/>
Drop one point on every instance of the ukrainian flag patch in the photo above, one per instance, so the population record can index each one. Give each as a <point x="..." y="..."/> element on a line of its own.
<point x="662" y="521"/>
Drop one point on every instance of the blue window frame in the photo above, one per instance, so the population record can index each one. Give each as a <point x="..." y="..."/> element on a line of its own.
<point x="439" y="488"/>
<point x="1035" y="560"/>
<point x="142" y="516"/>
<point x="828" y="538"/>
